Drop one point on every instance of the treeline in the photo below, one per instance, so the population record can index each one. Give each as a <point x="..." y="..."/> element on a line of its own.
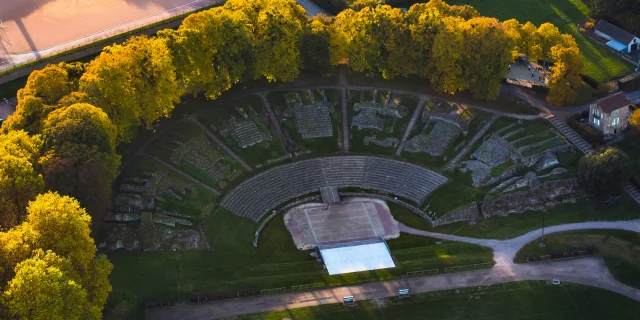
<point x="60" y="144"/>
<point x="623" y="13"/>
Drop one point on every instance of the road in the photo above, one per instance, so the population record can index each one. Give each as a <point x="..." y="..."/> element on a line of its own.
<point x="589" y="271"/>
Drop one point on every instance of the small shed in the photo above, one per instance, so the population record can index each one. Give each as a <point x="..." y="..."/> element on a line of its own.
<point x="618" y="39"/>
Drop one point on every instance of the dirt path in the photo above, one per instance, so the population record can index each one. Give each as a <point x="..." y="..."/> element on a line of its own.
<point x="274" y="119"/>
<point x="412" y="122"/>
<point x="220" y="143"/>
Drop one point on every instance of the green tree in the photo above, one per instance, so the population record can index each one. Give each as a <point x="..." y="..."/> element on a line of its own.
<point x="605" y="172"/>
<point x="134" y="83"/>
<point x="315" y="46"/>
<point x="79" y="123"/>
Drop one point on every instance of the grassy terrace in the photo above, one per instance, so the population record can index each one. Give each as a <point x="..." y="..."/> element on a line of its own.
<point x="620" y="250"/>
<point x="234" y="264"/>
<point x="599" y="63"/>
<point x="516" y="300"/>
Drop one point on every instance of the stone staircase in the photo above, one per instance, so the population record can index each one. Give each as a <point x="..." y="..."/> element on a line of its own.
<point x="581" y="144"/>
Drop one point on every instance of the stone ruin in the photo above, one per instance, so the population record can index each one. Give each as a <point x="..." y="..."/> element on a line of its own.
<point x="497" y="151"/>
<point x="312" y="114"/>
<point x="529" y="194"/>
<point x="200" y="153"/>
<point x="250" y="129"/>
<point x="134" y="226"/>
<point x="370" y="114"/>
<point x="389" y="142"/>
<point x="445" y="128"/>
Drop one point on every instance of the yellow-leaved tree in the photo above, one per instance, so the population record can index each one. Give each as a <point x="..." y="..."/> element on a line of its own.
<point x="134" y="83"/>
<point x="51" y="257"/>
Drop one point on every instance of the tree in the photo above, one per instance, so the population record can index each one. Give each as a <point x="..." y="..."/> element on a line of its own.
<point x="315" y="46"/>
<point x="358" y="5"/>
<point x="486" y="58"/>
<point x="446" y="61"/>
<point x="49" y="84"/>
<point x="547" y="37"/>
<point x="57" y="231"/>
<point x="277" y="30"/>
<point x="20" y="144"/>
<point x="605" y="172"/>
<point x="134" y="83"/>
<point x="374" y="40"/>
<point x="565" y="74"/>
<point x="43" y="289"/>
<point x="424" y="23"/>
<point x="80" y="159"/>
<point x="634" y="120"/>
<point x="79" y="123"/>
<point x="19" y="183"/>
<point x="211" y="50"/>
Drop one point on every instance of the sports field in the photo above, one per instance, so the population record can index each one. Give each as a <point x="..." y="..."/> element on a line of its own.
<point x="31" y="25"/>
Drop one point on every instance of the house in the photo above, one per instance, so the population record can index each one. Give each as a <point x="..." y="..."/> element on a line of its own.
<point x="618" y="39"/>
<point x="610" y="115"/>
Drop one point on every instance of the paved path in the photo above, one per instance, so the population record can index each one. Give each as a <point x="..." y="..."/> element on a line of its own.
<point x="311" y="8"/>
<point x="471" y="143"/>
<point x="589" y="271"/>
<point x="412" y="122"/>
<point x="180" y="172"/>
<point x="220" y="143"/>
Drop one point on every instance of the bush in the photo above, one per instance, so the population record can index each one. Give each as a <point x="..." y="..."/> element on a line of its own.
<point x="582" y="30"/>
<point x="589" y="25"/>
<point x="605" y="172"/>
<point x="630" y="83"/>
<point x="591" y="135"/>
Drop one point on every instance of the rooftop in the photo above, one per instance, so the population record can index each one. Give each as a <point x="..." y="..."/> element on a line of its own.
<point x="614" y="32"/>
<point x="614" y="102"/>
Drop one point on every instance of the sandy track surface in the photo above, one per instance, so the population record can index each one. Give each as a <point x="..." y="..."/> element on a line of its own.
<point x="33" y="25"/>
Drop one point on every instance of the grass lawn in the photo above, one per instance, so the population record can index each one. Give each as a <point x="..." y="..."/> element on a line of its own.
<point x="599" y="63"/>
<point x="234" y="264"/>
<point x="221" y="111"/>
<point x="452" y="195"/>
<point x="620" y="250"/>
<point x="517" y="224"/>
<point x="515" y="300"/>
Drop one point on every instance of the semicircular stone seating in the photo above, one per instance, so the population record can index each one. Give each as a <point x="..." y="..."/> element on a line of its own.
<point x="257" y="195"/>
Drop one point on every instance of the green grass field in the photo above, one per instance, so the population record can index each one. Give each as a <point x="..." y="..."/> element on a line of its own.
<point x="509" y="301"/>
<point x="599" y="63"/>
<point x="620" y="250"/>
<point x="234" y="264"/>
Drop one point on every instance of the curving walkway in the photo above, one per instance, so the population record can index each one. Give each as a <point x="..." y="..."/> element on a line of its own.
<point x="590" y="271"/>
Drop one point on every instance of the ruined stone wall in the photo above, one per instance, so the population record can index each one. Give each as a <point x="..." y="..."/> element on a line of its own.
<point x="467" y="213"/>
<point x="548" y="195"/>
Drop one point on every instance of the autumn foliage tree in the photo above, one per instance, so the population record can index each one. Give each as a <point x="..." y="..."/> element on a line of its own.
<point x="49" y="265"/>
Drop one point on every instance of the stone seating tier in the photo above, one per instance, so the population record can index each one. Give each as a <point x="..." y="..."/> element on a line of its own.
<point x="258" y="195"/>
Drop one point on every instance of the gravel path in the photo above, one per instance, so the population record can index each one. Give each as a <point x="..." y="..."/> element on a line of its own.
<point x="412" y="122"/>
<point x="273" y="118"/>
